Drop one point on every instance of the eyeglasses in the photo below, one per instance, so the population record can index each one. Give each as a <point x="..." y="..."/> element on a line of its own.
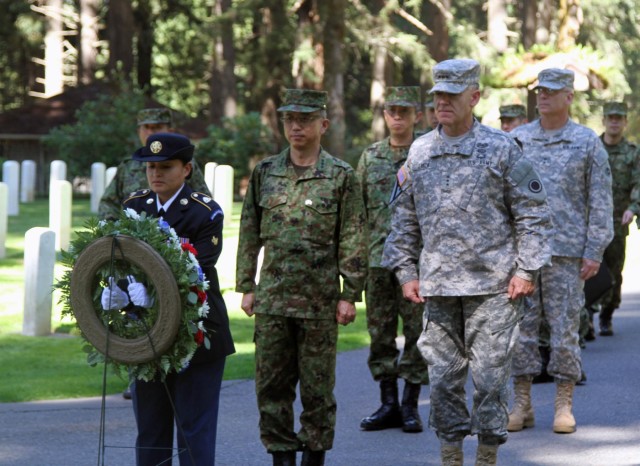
<point x="302" y="121"/>
<point x="549" y="92"/>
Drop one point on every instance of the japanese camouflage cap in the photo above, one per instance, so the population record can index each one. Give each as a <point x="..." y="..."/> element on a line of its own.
<point x="555" y="79"/>
<point x="615" y="108"/>
<point x="303" y="101"/>
<point x="512" y="111"/>
<point x="454" y="76"/>
<point x="165" y="146"/>
<point x="402" y="96"/>
<point x="150" y="116"/>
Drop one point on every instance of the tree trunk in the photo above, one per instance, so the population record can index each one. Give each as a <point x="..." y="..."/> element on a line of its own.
<point x="378" y="85"/>
<point x="497" y="25"/>
<point x="570" y="14"/>
<point x="309" y="73"/>
<point x="222" y="85"/>
<point x="546" y="15"/>
<point x="53" y="50"/>
<point x="89" y="22"/>
<point x="334" y="19"/>
<point x="144" y="20"/>
<point x="120" y="28"/>
<point x="436" y="18"/>
<point x="528" y="12"/>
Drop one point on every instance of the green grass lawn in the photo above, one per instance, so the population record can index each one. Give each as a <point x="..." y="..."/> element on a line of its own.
<point x="37" y="368"/>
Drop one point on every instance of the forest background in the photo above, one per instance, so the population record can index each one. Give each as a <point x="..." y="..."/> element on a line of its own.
<point x="226" y="63"/>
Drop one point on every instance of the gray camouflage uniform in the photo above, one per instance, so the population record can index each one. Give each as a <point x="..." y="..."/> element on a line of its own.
<point x="480" y="211"/>
<point x="575" y="172"/>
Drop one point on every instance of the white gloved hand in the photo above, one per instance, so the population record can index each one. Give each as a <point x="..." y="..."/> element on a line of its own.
<point x="138" y="293"/>
<point x="113" y="297"/>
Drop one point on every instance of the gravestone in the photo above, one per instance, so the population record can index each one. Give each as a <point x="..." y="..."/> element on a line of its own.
<point x="223" y="188"/>
<point x="110" y="174"/>
<point x="4" y="205"/>
<point x="58" y="170"/>
<point x="39" y="261"/>
<point x="27" y="181"/>
<point x="11" y="176"/>
<point x="60" y="212"/>
<point x="209" y="175"/>
<point x="97" y="184"/>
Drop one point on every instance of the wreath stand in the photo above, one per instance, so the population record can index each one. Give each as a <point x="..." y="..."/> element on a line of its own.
<point x="159" y="337"/>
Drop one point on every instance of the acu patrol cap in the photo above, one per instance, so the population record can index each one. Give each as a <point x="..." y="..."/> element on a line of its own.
<point x="513" y="111"/>
<point x="615" y="108"/>
<point x="454" y="76"/>
<point x="303" y="101"/>
<point x="165" y="146"/>
<point x="555" y="79"/>
<point x="402" y="96"/>
<point x="151" y="116"/>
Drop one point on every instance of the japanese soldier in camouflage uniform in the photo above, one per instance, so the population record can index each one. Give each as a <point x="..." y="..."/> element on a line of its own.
<point x="131" y="175"/>
<point x="573" y="165"/>
<point x="624" y="160"/>
<point x="430" y="118"/>
<point x="377" y="170"/>
<point x="512" y="116"/>
<point x="304" y="207"/>
<point x="469" y="232"/>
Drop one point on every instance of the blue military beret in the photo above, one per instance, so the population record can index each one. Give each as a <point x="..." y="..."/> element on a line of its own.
<point x="165" y="146"/>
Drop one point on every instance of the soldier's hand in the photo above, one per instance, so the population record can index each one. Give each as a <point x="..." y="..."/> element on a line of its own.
<point x="345" y="312"/>
<point x="589" y="268"/>
<point x="411" y="292"/>
<point x="248" y="299"/>
<point x="519" y="287"/>
<point x="627" y="217"/>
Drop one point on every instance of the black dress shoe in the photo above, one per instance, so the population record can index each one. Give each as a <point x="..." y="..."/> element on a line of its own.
<point x="606" y="329"/>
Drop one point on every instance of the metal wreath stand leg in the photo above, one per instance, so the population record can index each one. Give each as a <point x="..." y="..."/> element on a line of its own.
<point x="157" y="340"/>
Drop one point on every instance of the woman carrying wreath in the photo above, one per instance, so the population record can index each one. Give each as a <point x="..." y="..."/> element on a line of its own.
<point x="190" y="397"/>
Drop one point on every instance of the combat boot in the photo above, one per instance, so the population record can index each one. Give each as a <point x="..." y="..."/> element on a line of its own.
<point x="521" y="415"/>
<point x="563" y="420"/>
<point x="312" y="458"/>
<point x="388" y="415"/>
<point x="411" y="421"/>
<point x="486" y="455"/>
<point x="284" y="458"/>
<point x="451" y="454"/>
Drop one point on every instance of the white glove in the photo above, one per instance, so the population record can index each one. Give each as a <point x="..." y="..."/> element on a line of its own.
<point x="113" y="297"/>
<point x="138" y="293"/>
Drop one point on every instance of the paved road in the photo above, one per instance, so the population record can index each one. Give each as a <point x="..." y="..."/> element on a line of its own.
<point x="607" y="409"/>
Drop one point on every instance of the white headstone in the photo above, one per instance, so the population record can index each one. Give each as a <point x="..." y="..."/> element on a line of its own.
<point x="223" y="188"/>
<point x="97" y="184"/>
<point x="39" y="261"/>
<point x="60" y="212"/>
<point x="58" y="170"/>
<point x="110" y="174"/>
<point x="11" y="176"/>
<point x="209" y="175"/>
<point x="27" y="181"/>
<point x="4" y="205"/>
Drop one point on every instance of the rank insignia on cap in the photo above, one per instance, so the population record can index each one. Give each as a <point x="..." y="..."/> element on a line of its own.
<point x="149" y="201"/>
<point x="183" y="202"/>
<point x="215" y="240"/>
<point x="155" y="147"/>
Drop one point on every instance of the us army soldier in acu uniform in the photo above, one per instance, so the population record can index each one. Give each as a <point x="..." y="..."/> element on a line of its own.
<point x="304" y="207"/>
<point x="624" y="160"/>
<point x="377" y="170"/>
<point x="573" y="165"/>
<point x="469" y="231"/>
<point x="131" y="175"/>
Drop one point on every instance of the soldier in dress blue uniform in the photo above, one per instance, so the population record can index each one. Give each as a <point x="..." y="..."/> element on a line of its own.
<point x="195" y="391"/>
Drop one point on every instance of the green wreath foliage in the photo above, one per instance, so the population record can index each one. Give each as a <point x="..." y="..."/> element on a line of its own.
<point x="189" y="277"/>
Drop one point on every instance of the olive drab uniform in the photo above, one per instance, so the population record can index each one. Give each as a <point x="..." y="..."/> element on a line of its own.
<point x="132" y="176"/>
<point x="624" y="159"/>
<point x="469" y="215"/>
<point x="574" y="169"/>
<point x="311" y="228"/>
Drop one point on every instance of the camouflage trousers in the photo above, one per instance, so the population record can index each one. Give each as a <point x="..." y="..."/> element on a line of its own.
<point x="385" y="305"/>
<point x="288" y="351"/>
<point x="462" y="333"/>
<point x="614" y="257"/>
<point x="559" y="297"/>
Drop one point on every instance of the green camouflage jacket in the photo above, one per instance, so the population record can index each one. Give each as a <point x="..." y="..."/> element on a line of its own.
<point x="624" y="160"/>
<point x="132" y="176"/>
<point x="376" y="171"/>
<point x="311" y="229"/>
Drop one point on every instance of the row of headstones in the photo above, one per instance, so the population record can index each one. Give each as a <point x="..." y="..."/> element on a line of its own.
<point x="40" y="255"/>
